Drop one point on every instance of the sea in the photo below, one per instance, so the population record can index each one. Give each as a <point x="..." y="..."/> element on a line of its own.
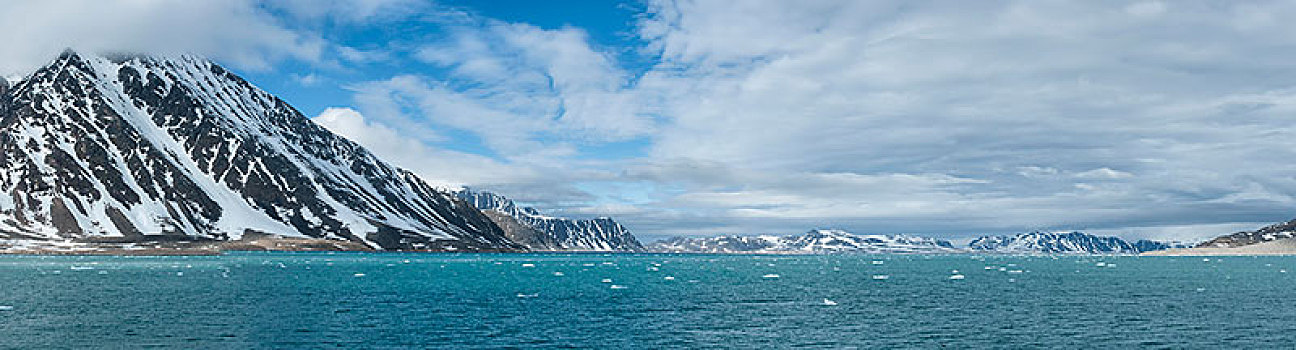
<point x="645" y="301"/>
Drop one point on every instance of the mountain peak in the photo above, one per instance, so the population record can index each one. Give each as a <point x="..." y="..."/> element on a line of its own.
<point x="147" y="146"/>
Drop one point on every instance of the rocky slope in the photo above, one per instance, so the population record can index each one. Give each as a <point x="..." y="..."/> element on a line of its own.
<point x="812" y="242"/>
<point x="1063" y="243"/>
<point x="1265" y="234"/>
<point x="144" y="148"/>
<point x="539" y="232"/>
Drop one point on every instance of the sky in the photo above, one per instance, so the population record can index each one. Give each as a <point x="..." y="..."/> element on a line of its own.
<point x="950" y="119"/>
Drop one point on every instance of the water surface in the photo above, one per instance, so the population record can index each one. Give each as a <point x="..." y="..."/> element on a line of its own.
<point x="285" y="300"/>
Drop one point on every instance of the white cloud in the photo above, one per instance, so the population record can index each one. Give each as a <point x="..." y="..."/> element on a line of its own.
<point x="543" y="80"/>
<point x="1193" y="98"/>
<point x="958" y="119"/>
<point x="443" y="168"/>
<point x="247" y="34"/>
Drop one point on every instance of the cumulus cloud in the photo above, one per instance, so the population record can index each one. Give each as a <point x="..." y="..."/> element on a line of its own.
<point x="949" y="118"/>
<point x="1039" y="102"/>
<point x="446" y="169"/>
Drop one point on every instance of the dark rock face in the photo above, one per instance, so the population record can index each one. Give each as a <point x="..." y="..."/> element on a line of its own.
<point x="1063" y="243"/>
<point x="523" y="234"/>
<point x="552" y="233"/>
<point x="1264" y="234"/>
<point x="139" y="146"/>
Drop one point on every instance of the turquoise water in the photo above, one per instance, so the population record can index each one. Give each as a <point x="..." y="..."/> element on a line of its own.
<point x="316" y="300"/>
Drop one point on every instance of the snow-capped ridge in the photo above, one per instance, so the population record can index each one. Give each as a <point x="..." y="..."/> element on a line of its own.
<point x="812" y="242"/>
<point x="542" y="232"/>
<point x="141" y="146"/>
<point x="1063" y="242"/>
<point x="1282" y="230"/>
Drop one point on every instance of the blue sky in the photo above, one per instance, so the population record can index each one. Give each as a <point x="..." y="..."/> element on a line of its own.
<point x="1143" y="119"/>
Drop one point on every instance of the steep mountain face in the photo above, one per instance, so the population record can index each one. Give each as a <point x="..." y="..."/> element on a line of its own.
<point x="539" y="232"/>
<point x="1264" y="234"/>
<point x="137" y="148"/>
<point x="1063" y="243"/>
<point x="815" y="241"/>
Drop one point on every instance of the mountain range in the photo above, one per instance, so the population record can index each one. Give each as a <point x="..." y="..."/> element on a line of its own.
<point x="838" y="241"/>
<point x="814" y="241"/>
<point x="539" y="232"/>
<point x="132" y="148"/>
<point x="1065" y="243"/>
<point x="127" y="148"/>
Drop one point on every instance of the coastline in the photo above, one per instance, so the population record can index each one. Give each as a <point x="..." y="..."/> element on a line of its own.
<point x="1272" y="248"/>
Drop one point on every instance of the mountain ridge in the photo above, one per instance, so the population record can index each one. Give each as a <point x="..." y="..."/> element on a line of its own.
<point x="541" y="232"/>
<point x="1072" y="242"/>
<point x="149" y="146"/>
<point x="812" y="242"/>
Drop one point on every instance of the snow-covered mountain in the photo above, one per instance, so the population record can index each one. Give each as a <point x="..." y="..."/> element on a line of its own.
<point x="539" y="232"/>
<point x="136" y="148"/>
<point x="1265" y="234"/>
<point x="1063" y="243"/>
<point x="813" y="242"/>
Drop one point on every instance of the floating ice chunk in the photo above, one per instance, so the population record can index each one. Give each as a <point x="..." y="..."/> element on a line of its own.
<point x="957" y="277"/>
<point x="359" y="275"/>
<point x="827" y="302"/>
<point x="617" y="286"/>
<point x="881" y="277"/>
<point x="770" y="276"/>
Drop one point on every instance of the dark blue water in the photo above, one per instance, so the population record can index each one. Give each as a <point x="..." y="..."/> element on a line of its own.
<point x="315" y="300"/>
